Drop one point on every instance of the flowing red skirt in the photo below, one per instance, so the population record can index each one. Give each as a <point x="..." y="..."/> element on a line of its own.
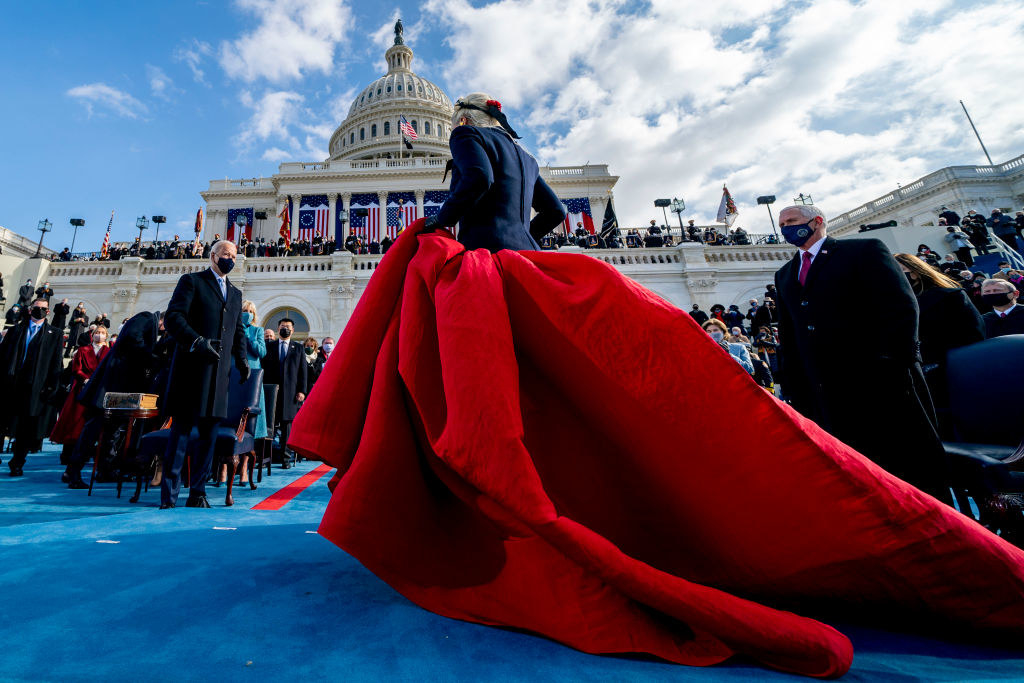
<point x="532" y="440"/>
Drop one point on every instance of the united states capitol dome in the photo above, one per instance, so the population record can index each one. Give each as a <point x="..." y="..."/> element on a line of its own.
<point x="370" y="131"/>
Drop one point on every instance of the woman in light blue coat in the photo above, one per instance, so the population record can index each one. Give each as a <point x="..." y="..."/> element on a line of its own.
<point x="255" y="349"/>
<point x="717" y="330"/>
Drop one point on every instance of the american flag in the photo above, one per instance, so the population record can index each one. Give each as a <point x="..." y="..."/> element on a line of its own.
<point x="579" y="212"/>
<point x="368" y="226"/>
<point x="105" y="249"/>
<point x="313" y="221"/>
<point x="406" y="128"/>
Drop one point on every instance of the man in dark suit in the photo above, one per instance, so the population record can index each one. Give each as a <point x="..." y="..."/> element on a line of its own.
<point x="1007" y="315"/>
<point x="45" y="292"/>
<point x="127" y="368"/>
<point x="30" y="366"/>
<point x="60" y="315"/>
<point x="79" y="321"/>
<point x="863" y="386"/>
<point x="204" y="317"/>
<point x="285" y="366"/>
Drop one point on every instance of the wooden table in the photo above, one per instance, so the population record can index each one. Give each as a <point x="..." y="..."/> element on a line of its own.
<point x="132" y="415"/>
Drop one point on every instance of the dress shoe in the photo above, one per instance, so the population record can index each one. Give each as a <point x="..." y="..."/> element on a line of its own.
<point x="64" y="478"/>
<point x="166" y="506"/>
<point x="16" y="472"/>
<point x="77" y="483"/>
<point x="197" y="502"/>
<point x="286" y="466"/>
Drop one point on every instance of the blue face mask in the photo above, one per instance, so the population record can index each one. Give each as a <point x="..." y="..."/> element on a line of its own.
<point x="797" y="235"/>
<point x="246" y="318"/>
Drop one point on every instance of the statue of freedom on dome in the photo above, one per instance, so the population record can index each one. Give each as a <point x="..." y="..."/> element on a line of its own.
<point x="399" y="32"/>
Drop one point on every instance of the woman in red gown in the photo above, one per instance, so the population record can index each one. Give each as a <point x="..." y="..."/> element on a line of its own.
<point x="72" y="414"/>
<point x="487" y="410"/>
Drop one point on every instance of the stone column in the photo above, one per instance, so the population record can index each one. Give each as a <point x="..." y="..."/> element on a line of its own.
<point x="597" y="207"/>
<point x="208" y="226"/>
<point x="420" y="194"/>
<point x="294" y="217"/>
<point x="346" y="206"/>
<point x="332" y="203"/>
<point x="382" y="197"/>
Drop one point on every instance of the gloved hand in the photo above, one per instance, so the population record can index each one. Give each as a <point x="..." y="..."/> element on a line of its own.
<point x="206" y="350"/>
<point x="431" y="224"/>
<point x="244" y="373"/>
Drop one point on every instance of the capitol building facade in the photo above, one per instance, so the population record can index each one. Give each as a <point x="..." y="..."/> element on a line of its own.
<point x="371" y="185"/>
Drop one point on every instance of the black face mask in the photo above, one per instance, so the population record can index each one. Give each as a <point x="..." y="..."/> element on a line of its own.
<point x="284" y="333"/>
<point x="225" y="264"/>
<point x="997" y="299"/>
<point x="37" y="312"/>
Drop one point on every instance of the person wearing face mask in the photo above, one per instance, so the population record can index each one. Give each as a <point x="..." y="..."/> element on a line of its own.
<point x="30" y="366"/>
<point x="718" y="332"/>
<point x="1007" y="314"/>
<point x="72" y="414"/>
<point x="204" y="316"/>
<point x="79" y="321"/>
<point x="698" y="315"/>
<point x="285" y="366"/>
<point x="887" y="413"/>
<point x="327" y="348"/>
<point x="314" y="361"/>
<point x="25" y="294"/>
<point x="947" y="320"/>
<point x="960" y="243"/>
<point x="255" y="350"/>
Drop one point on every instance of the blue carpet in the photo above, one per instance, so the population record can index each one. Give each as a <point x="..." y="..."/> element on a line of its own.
<point x="234" y="594"/>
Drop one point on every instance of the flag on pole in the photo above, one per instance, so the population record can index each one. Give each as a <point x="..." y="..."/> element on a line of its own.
<point x="105" y="249"/>
<point x="286" y="226"/>
<point x="199" y="230"/>
<point x="727" y="209"/>
<point x="406" y="128"/>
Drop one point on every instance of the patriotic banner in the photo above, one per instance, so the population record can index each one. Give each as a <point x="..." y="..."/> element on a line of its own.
<point x="233" y="215"/>
<point x="365" y="227"/>
<point x="727" y="211"/>
<point x="579" y="212"/>
<point x="406" y="128"/>
<point x="432" y="201"/>
<point x="314" y="216"/>
<point x="401" y="212"/>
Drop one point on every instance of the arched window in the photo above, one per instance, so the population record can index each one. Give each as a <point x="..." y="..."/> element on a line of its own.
<point x="378" y="92"/>
<point x="387" y="128"/>
<point x="351" y="137"/>
<point x="373" y="131"/>
<point x="399" y="86"/>
<point x="362" y="134"/>
<point x="426" y="127"/>
<point x="414" y="126"/>
<point x="300" y="321"/>
<point x="389" y="88"/>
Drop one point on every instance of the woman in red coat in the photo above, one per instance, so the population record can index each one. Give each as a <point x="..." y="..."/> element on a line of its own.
<point x="72" y="414"/>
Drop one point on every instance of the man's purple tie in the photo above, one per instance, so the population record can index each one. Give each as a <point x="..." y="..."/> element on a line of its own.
<point x="804" y="267"/>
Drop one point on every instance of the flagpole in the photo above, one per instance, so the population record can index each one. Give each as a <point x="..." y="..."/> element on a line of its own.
<point x="401" y="138"/>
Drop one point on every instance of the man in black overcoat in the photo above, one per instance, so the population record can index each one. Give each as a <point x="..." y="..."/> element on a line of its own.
<point x="79" y="321"/>
<point x="285" y="366"/>
<point x="862" y="383"/>
<point x="60" y="315"/>
<point x="30" y="366"/>
<point x="127" y="368"/>
<point x="204" y="317"/>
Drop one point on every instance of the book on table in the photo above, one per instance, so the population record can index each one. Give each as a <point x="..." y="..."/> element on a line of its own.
<point x="113" y="399"/>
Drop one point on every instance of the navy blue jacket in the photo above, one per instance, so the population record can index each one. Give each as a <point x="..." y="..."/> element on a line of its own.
<point x="494" y="185"/>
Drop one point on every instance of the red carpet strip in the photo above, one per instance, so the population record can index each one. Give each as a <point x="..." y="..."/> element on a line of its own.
<point x="278" y="499"/>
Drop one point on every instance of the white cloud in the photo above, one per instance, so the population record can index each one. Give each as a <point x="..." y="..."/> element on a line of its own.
<point x="280" y="119"/>
<point x="107" y="97"/>
<point x="192" y="54"/>
<point x="292" y="37"/>
<point x="840" y="99"/>
<point x="159" y="82"/>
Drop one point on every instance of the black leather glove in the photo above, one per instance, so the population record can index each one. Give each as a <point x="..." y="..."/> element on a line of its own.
<point x="206" y="350"/>
<point x="244" y="372"/>
<point x="431" y="224"/>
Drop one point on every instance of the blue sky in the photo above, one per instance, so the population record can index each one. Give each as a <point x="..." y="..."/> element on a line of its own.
<point x="135" y="107"/>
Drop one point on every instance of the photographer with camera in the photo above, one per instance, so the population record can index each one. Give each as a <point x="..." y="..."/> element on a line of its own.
<point x="204" y="317"/>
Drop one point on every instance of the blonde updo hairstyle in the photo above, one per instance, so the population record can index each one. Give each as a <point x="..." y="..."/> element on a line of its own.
<point x="248" y="306"/>
<point x="475" y="117"/>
